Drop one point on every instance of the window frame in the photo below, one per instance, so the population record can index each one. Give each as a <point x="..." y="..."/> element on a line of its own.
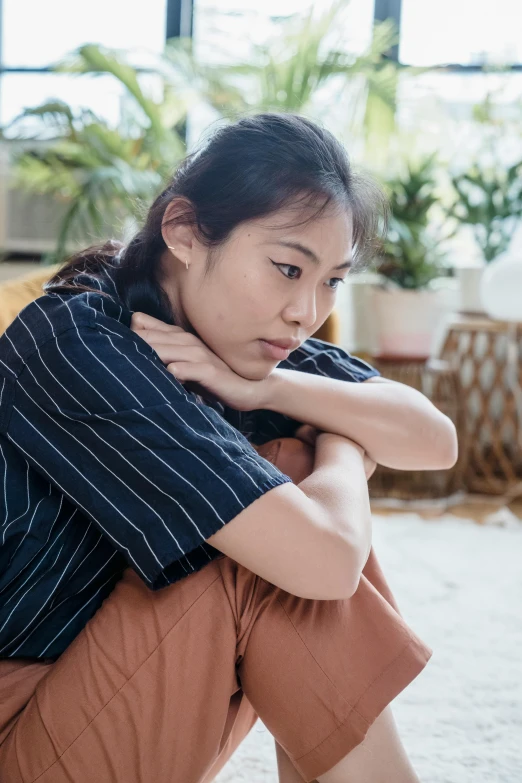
<point x="179" y="22"/>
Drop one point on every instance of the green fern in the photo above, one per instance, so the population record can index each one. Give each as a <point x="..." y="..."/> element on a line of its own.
<point x="412" y="255"/>
<point x="489" y="199"/>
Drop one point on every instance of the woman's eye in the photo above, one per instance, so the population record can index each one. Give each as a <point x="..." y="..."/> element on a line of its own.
<point x="336" y="280"/>
<point x="294" y="273"/>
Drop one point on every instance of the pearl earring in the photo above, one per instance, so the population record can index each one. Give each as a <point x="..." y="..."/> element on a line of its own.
<point x="173" y="248"/>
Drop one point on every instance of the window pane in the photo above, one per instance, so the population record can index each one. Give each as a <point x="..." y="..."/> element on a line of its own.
<point x="59" y="26"/>
<point x="437" y="32"/>
<point x="18" y="91"/>
<point x="438" y="110"/>
<point x="225" y="29"/>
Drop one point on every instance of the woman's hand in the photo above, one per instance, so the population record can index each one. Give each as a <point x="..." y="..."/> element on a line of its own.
<point x="193" y="363"/>
<point x="309" y="434"/>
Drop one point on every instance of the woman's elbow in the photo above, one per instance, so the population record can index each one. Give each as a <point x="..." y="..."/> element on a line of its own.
<point x="359" y="554"/>
<point x="446" y="447"/>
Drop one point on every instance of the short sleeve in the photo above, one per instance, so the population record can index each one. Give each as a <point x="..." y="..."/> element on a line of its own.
<point x="96" y="412"/>
<point x="319" y="358"/>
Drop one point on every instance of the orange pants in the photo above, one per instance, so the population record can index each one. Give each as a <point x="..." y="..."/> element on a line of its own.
<point x="162" y="687"/>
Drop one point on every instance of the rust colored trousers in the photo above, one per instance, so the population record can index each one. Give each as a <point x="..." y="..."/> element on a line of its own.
<point x="162" y="687"/>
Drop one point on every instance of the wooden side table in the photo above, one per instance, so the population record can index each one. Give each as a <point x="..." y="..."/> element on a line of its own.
<point x="440" y="382"/>
<point x="487" y="355"/>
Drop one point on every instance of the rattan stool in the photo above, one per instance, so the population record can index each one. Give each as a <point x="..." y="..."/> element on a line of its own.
<point x="488" y="357"/>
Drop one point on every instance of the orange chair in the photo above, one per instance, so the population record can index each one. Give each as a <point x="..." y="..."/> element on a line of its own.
<point x="15" y="294"/>
<point x="331" y="329"/>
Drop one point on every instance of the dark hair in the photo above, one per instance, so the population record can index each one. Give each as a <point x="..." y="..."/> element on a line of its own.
<point x="245" y="170"/>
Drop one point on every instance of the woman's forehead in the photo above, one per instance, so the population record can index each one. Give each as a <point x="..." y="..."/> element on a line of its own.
<point x="324" y="243"/>
<point x="290" y="224"/>
<point x="326" y="234"/>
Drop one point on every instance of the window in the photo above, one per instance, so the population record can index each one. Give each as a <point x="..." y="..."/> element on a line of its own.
<point x="59" y="26"/>
<point x="225" y="28"/>
<point x="440" y="105"/>
<point x="466" y="32"/>
<point x="56" y="28"/>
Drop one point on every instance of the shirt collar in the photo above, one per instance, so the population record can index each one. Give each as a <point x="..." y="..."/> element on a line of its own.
<point x="103" y="280"/>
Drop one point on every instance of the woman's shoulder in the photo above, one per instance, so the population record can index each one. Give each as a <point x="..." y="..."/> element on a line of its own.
<point x="49" y="317"/>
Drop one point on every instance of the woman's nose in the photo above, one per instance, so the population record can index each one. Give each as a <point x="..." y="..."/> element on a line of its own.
<point x="303" y="311"/>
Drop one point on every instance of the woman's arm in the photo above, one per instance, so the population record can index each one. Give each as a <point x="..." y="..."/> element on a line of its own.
<point x="395" y="424"/>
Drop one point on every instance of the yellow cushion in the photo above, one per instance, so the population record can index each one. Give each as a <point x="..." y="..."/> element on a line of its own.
<point x="17" y="293"/>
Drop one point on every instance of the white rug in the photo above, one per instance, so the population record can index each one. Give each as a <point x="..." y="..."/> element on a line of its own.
<point x="459" y="586"/>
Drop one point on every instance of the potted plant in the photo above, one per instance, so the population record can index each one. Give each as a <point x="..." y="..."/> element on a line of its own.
<point x="489" y="200"/>
<point x="406" y="304"/>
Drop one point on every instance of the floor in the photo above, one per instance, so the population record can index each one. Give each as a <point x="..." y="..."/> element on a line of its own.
<point x="458" y="580"/>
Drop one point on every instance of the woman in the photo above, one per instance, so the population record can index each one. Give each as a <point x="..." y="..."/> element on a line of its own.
<point x="163" y="583"/>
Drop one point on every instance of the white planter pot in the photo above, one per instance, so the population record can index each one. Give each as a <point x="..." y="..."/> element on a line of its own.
<point x="470" y="279"/>
<point x="501" y="289"/>
<point x="361" y="328"/>
<point x="407" y="321"/>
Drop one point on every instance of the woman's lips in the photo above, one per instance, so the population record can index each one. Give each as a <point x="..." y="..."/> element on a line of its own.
<point x="274" y="351"/>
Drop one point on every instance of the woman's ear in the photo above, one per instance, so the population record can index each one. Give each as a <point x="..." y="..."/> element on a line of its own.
<point x="176" y="227"/>
<point x="180" y="241"/>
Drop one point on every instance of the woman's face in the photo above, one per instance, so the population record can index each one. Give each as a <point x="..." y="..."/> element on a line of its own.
<point x="268" y="283"/>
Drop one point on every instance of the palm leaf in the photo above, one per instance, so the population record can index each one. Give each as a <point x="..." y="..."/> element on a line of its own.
<point x="93" y="59"/>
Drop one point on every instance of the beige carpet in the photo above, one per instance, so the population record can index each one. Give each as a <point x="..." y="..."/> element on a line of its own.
<point x="459" y="585"/>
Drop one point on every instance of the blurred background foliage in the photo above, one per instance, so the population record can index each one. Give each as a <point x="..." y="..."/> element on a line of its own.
<point x="107" y="175"/>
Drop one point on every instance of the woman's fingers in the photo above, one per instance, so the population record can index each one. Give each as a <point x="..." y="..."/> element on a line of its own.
<point x="157" y="336"/>
<point x="169" y="352"/>
<point x="142" y="321"/>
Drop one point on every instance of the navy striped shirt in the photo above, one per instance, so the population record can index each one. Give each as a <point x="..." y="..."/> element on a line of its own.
<point x="107" y="461"/>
